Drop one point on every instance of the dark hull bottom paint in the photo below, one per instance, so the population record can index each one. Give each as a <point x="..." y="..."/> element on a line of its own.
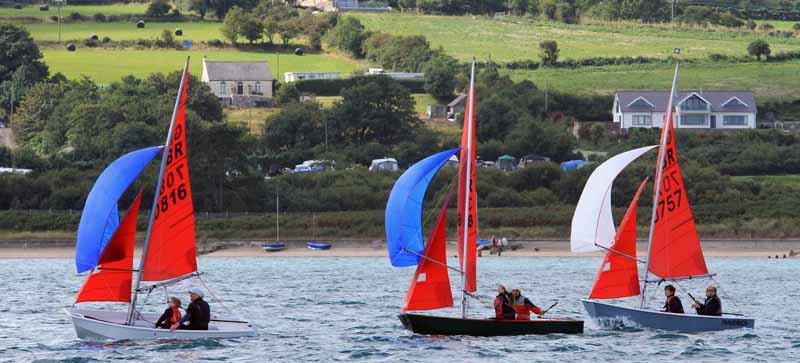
<point x="440" y="325"/>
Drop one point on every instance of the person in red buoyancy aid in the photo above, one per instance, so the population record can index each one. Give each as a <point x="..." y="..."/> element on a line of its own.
<point x="171" y="317"/>
<point x="502" y="305"/>
<point x="523" y="307"/>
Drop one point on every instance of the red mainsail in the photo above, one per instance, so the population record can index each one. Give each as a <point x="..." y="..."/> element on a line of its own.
<point x="430" y="288"/>
<point x="467" y="199"/>
<point x="675" y="249"/>
<point x="111" y="281"/>
<point x="171" y="249"/>
<point x="619" y="276"/>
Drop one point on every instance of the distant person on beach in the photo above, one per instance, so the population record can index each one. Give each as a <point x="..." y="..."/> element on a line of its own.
<point x="673" y="303"/>
<point x="712" y="306"/>
<point x="502" y="304"/>
<point x="198" y="313"/>
<point x="171" y="317"/>
<point x="523" y="307"/>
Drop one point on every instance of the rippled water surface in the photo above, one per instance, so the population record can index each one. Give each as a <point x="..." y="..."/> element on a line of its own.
<point x="344" y="309"/>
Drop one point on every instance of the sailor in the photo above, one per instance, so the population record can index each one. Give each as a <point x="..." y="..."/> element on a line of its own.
<point x="502" y="304"/>
<point x="171" y="317"/>
<point x="673" y="303"/>
<point x="523" y="307"/>
<point x="198" y="313"/>
<point x="712" y="306"/>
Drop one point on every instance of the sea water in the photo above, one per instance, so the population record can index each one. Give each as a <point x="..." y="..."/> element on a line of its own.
<point x="345" y="309"/>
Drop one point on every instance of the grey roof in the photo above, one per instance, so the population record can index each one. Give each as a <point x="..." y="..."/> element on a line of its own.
<point x="238" y="71"/>
<point x="659" y="100"/>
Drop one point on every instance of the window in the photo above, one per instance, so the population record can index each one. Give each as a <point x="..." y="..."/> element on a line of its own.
<point x="640" y="120"/>
<point x="694" y="103"/>
<point x="258" y="87"/>
<point x="693" y="120"/>
<point x="734" y="120"/>
<point x="223" y="88"/>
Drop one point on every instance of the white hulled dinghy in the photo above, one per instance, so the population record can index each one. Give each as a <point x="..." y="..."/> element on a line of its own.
<point x="674" y="251"/>
<point x="105" y="247"/>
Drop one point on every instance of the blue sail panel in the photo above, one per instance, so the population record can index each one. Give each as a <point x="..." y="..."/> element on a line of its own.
<point x="100" y="216"/>
<point x="403" y="219"/>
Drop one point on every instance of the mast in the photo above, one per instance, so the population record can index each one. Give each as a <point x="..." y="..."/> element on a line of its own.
<point x="277" y="215"/>
<point x="659" y="171"/>
<point x="164" y="153"/>
<point x="467" y="180"/>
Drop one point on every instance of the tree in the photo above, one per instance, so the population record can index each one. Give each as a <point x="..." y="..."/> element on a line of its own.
<point x="199" y="6"/>
<point x="231" y="26"/>
<point x="289" y="30"/>
<point x="295" y="130"/>
<point x="548" y="52"/>
<point x="251" y="28"/>
<point x="21" y="65"/>
<point x="288" y="93"/>
<point x="759" y="48"/>
<point x="751" y="24"/>
<point x="796" y="27"/>
<point x="348" y="36"/>
<point x="157" y="9"/>
<point x="270" y="29"/>
<point x="440" y="77"/>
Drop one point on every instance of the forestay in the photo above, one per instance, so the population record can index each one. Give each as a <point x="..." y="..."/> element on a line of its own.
<point x="403" y="217"/>
<point x="593" y="223"/>
<point x="99" y="219"/>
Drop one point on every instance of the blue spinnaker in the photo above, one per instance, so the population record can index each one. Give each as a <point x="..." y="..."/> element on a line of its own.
<point x="100" y="211"/>
<point x="404" y="237"/>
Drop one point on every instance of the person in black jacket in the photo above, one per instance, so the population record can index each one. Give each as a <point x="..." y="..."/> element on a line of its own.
<point x="712" y="306"/>
<point x="198" y="313"/>
<point x="171" y="317"/>
<point x="673" y="303"/>
<point x="502" y="305"/>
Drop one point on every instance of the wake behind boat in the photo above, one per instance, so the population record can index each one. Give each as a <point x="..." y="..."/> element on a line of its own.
<point x="674" y="250"/>
<point x="105" y="246"/>
<point x="430" y="287"/>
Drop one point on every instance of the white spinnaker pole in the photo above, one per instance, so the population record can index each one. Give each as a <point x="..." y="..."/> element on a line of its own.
<point x="659" y="171"/>
<point x="164" y="153"/>
<point x="468" y="186"/>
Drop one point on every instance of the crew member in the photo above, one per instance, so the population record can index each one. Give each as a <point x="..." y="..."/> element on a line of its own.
<point x="171" y="317"/>
<point x="198" y="313"/>
<point x="502" y="304"/>
<point x="673" y="303"/>
<point x="712" y="306"/>
<point x="523" y="307"/>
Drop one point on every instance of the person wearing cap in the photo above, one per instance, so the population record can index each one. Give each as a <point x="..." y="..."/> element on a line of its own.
<point x="198" y="313"/>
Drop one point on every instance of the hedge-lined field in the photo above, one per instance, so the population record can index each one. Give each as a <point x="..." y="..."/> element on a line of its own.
<point x="107" y="65"/>
<point x="769" y="81"/>
<point x="194" y="31"/>
<point x="514" y="38"/>
<point x="85" y="10"/>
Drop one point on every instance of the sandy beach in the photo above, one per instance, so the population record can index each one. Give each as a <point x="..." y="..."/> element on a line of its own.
<point x="716" y="248"/>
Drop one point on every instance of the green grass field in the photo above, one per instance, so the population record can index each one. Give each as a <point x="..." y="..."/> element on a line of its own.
<point x="517" y="38"/>
<point x="86" y="10"/>
<point x="789" y="180"/>
<point x="195" y="31"/>
<point x="108" y="65"/>
<point x="769" y="81"/>
<point x="250" y="118"/>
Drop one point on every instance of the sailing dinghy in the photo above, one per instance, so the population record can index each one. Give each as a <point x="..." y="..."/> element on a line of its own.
<point x="105" y="247"/>
<point x="430" y="288"/>
<point x="674" y="251"/>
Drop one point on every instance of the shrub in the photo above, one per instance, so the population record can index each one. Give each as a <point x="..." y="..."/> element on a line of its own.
<point x="89" y="42"/>
<point x="751" y="24"/>
<point x="765" y="27"/>
<point x="548" y="51"/>
<point x="106" y="40"/>
<point x="99" y="17"/>
<point x="332" y="87"/>
<point x="759" y="48"/>
<point x="54" y="18"/>
<point x="796" y="27"/>
<point x="75" y="16"/>
<point x="215" y="43"/>
<point x="157" y="9"/>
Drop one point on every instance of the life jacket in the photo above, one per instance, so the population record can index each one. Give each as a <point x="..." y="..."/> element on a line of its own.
<point x="523" y="307"/>
<point x="176" y="315"/>
<point x="502" y="308"/>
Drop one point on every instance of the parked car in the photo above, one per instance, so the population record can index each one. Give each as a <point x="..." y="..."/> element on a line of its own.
<point x="385" y="164"/>
<point x="532" y="159"/>
<point x="314" y="166"/>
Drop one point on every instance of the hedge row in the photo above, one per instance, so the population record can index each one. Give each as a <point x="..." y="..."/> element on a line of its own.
<point x="333" y="87"/>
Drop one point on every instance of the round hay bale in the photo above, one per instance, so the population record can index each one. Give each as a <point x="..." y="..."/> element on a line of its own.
<point x="140" y="24"/>
<point x="298" y="51"/>
<point x="178" y="32"/>
<point x="71" y="47"/>
<point x="93" y="37"/>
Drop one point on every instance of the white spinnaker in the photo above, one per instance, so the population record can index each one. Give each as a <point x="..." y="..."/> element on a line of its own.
<point x="592" y="223"/>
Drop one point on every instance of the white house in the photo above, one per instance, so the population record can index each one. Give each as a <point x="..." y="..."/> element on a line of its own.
<point x="693" y="109"/>
<point x="290" y="77"/>
<point x="239" y="83"/>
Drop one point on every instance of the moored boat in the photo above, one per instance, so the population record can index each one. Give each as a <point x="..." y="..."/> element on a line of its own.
<point x="320" y="246"/>
<point x="105" y="246"/>
<point x="430" y="286"/>
<point x="674" y="252"/>
<point x="273" y="247"/>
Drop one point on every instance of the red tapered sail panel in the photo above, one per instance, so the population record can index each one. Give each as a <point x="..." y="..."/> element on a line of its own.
<point x="619" y="276"/>
<point x="171" y="249"/>
<point x="430" y="288"/>
<point x="112" y="279"/>
<point x="467" y="197"/>
<point x="675" y="250"/>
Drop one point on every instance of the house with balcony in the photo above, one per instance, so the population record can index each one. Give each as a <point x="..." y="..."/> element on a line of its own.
<point x="239" y="84"/>
<point x="693" y="109"/>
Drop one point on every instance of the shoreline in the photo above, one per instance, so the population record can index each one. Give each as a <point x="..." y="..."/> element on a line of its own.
<point x="544" y="248"/>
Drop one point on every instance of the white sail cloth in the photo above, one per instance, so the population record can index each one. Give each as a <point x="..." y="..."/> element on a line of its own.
<point x="593" y="223"/>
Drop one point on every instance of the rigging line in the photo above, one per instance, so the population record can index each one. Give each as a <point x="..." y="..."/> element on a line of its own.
<point x="439" y="199"/>
<point x="727" y="297"/>
<point x="431" y="260"/>
<point x="620" y="253"/>
<point x="478" y="299"/>
<point x="217" y="299"/>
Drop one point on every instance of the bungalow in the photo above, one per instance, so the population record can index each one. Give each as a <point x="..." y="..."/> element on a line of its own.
<point x="693" y="109"/>
<point x="239" y="83"/>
